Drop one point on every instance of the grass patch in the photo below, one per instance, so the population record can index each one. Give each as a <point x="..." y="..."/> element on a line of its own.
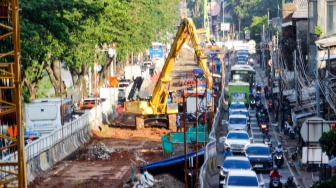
<point x="77" y="181"/>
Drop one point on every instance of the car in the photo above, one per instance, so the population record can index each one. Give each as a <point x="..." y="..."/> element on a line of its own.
<point x="233" y="163"/>
<point x="237" y="140"/>
<point x="32" y="135"/>
<point x="237" y="122"/>
<point x="89" y="103"/>
<point x="241" y="178"/>
<point x="241" y="62"/>
<point x="242" y="111"/>
<point x="122" y="83"/>
<point x="121" y="96"/>
<point x="260" y="156"/>
<point x="235" y="105"/>
<point x="147" y="63"/>
<point x="236" y="162"/>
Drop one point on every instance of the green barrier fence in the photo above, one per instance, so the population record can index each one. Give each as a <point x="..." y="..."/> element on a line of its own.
<point x="168" y="140"/>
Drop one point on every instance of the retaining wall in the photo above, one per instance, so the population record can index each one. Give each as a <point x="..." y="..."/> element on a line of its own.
<point x="49" y="157"/>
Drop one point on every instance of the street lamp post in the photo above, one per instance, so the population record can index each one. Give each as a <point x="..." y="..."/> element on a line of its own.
<point x="198" y="72"/>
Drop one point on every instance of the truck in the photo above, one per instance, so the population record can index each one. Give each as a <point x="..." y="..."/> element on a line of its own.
<point x="131" y="72"/>
<point x="46" y="114"/>
<point x="239" y="91"/>
<point x="156" y="107"/>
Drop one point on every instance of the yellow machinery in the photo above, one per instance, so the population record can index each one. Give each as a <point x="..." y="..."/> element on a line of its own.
<point x="13" y="173"/>
<point x="157" y="108"/>
<point x="205" y="33"/>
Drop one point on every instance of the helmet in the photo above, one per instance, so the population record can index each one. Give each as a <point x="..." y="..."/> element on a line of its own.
<point x="290" y="179"/>
<point x="275" y="168"/>
<point x="279" y="145"/>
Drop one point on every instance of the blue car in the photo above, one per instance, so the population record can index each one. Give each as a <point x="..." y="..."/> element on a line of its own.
<point x="236" y="105"/>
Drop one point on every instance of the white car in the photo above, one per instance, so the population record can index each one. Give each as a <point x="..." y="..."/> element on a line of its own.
<point x="237" y="141"/>
<point x="241" y="179"/>
<point x="238" y="122"/>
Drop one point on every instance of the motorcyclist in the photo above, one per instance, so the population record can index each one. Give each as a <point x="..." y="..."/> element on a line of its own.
<point x="275" y="174"/>
<point x="279" y="148"/>
<point x="227" y="152"/>
<point x="290" y="183"/>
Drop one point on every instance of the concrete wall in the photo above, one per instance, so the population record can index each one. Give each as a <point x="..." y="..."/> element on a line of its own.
<point x="49" y="157"/>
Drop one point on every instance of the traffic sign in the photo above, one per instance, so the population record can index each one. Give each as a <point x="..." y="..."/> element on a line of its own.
<point x="225" y="26"/>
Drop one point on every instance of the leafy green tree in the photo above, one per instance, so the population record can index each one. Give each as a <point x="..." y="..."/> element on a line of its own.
<point x="327" y="143"/>
<point x="75" y="32"/>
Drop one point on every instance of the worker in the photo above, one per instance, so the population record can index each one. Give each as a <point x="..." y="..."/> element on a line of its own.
<point x="178" y="124"/>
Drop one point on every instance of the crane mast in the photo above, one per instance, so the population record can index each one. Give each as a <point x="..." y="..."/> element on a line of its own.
<point x="13" y="171"/>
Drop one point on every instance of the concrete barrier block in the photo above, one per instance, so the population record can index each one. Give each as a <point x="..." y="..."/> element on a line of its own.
<point x="44" y="163"/>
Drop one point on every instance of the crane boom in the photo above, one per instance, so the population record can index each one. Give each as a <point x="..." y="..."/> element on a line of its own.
<point x="158" y="103"/>
<point x="187" y="28"/>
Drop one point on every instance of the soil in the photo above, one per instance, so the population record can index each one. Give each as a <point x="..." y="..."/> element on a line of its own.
<point x="127" y="148"/>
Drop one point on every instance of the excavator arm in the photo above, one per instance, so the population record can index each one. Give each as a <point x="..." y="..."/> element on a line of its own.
<point x="160" y="95"/>
<point x="159" y="101"/>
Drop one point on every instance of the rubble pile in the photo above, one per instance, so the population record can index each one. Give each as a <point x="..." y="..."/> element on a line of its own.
<point x="100" y="151"/>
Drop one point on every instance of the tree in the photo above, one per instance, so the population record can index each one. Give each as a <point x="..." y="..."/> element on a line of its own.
<point x="74" y="33"/>
<point x="327" y="143"/>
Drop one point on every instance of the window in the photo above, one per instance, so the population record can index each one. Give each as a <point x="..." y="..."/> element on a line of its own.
<point x="331" y="17"/>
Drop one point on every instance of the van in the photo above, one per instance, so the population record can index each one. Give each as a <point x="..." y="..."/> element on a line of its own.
<point x="48" y="113"/>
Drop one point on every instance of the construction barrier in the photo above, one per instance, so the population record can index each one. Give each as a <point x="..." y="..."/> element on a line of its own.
<point x="168" y="140"/>
<point x="43" y="153"/>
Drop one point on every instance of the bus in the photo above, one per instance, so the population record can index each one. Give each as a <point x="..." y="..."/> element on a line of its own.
<point x="242" y="73"/>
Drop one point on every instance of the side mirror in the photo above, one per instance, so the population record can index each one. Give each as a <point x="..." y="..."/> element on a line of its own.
<point x="219" y="167"/>
<point x="262" y="185"/>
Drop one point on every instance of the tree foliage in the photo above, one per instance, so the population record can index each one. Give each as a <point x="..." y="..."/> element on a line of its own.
<point x="74" y="32"/>
<point x="327" y="143"/>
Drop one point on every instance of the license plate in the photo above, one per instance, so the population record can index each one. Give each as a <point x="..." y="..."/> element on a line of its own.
<point x="258" y="166"/>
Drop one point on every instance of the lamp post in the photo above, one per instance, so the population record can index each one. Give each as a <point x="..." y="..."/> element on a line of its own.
<point x="198" y="72"/>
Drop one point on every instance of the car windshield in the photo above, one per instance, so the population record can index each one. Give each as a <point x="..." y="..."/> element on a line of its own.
<point x="258" y="151"/>
<point x="237" y="121"/>
<point x="235" y="164"/>
<point x="248" y="181"/>
<point x="235" y="106"/>
<point x="243" y="136"/>
<point x="241" y="112"/>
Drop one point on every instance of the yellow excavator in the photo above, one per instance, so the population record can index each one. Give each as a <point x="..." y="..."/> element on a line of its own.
<point x="157" y="107"/>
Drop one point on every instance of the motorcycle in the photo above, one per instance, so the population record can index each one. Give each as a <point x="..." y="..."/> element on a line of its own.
<point x="287" y="127"/>
<point x="222" y="175"/>
<point x="252" y="103"/>
<point x="267" y="140"/>
<point x="278" y="158"/>
<point x="263" y="127"/>
<point x="275" y="183"/>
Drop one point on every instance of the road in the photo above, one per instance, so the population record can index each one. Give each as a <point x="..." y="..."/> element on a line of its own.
<point x="256" y="134"/>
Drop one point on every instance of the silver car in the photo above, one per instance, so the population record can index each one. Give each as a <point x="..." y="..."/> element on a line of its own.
<point x="237" y="140"/>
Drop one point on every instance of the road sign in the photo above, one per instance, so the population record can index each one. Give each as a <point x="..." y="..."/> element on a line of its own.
<point x="225" y="26"/>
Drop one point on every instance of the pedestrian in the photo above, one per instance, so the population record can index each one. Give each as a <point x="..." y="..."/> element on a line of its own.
<point x="178" y="124"/>
<point x="265" y="91"/>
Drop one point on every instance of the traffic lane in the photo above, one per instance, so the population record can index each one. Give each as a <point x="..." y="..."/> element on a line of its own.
<point x="285" y="170"/>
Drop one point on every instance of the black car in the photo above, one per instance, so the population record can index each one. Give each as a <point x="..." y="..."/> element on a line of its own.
<point x="260" y="156"/>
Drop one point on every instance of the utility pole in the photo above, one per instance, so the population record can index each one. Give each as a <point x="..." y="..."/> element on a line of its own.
<point x="263" y="47"/>
<point x="317" y="89"/>
<point x="295" y="80"/>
